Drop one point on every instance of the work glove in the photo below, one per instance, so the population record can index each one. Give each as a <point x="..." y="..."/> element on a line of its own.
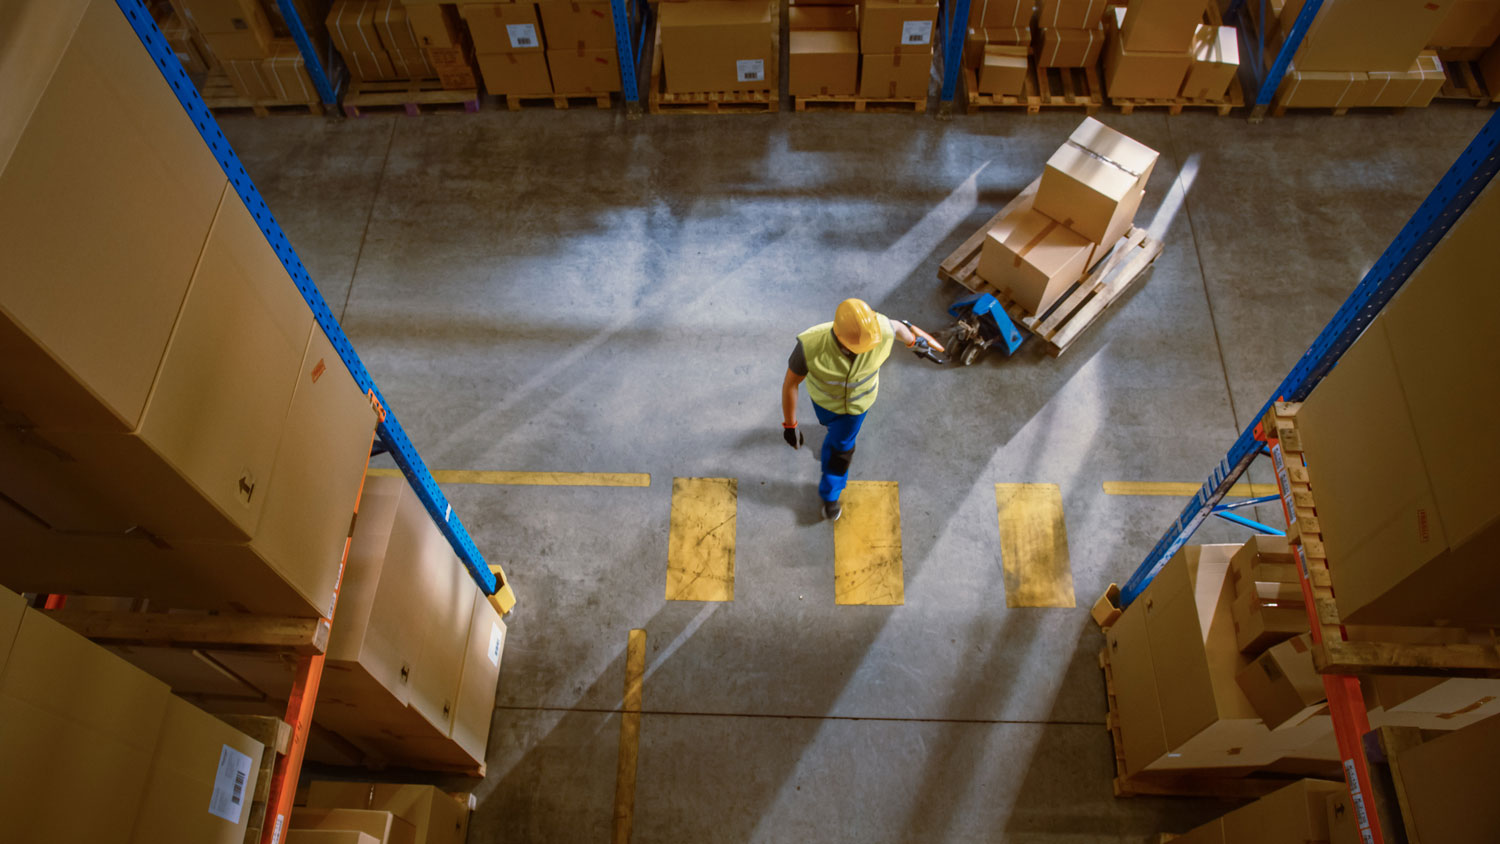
<point x="792" y="436"/>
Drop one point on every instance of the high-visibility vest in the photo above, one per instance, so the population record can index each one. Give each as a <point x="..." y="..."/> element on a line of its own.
<point x="838" y="382"/>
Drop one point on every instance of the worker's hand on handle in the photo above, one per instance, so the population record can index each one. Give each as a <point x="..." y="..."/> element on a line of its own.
<point x="931" y="340"/>
<point x="792" y="436"/>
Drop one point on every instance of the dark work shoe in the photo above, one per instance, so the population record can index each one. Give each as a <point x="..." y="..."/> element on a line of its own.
<point x="832" y="510"/>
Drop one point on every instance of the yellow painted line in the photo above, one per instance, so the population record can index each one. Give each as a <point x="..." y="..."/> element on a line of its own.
<point x="700" y="547"/>
<point x="477" y="476"/>
<point x="1034" y="546"/>
<point x="1177" y="490"/>
<point x="867" y="546"/>
<point x="630" y="736"/>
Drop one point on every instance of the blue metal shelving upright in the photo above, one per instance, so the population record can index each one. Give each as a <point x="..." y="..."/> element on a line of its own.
<point x="1463" y="181"/>
<point x="390" y="430"/>
<point x="1253" y="46"/>
<point x="313" y="62"/>
<point x="630" y="46"/>
<point x="955" y="29"/>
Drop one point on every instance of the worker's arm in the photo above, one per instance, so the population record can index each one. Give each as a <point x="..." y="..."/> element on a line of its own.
<point x="789" y="399"/>
<point x="908" y="336"/>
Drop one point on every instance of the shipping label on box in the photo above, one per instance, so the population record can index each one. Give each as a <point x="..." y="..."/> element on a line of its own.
<point x="893" y="27"/>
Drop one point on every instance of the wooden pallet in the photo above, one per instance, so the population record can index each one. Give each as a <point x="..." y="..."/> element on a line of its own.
<point x="1082" y="304"/>
<point x="1195" y="783"/>
<point x="1233" y="98"/>
<point x="768" y="101"/>
<point x="413" y="96"/>
<point x="861" y="105"/>
<point x="1334" y="655"/>
<point x="1463" y="82"/>
<point x="1046" y="87"/>
<point x="516" y="102"/>
<point x="222" y="99"/>
<point x="276" y="735"/>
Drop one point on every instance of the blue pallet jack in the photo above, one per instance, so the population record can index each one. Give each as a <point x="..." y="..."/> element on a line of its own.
<point x="982" y="324"/>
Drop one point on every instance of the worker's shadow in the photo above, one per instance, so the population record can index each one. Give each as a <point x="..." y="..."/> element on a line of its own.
<point x="797" y="489"/>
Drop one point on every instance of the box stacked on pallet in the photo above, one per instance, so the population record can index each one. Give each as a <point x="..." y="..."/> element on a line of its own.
<point x="252" y="46"/>
<point x="1089" y="193"/>
<point x="1070" y="33"/>
<point x="377" y="42"/>
<point x="718" y="45"/>
<point x="823" y="50"/>
<point x="75" y="719"/>
<point x="1296" y="814"/>
<point x="186" y="44"/>
<point x="998" y="45"/>
<point x="582" y="55"/>
<point x="1150" y="48"/>
<point x="1360" y="53"/>
<point x="437" y="29"/>
<point x="896" y="44"/>
<point x="508" y="47"/>
<point x="403" y="813"/>
<point x="173" y="425"/>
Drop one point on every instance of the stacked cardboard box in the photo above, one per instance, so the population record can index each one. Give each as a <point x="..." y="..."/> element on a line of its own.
<point x="581" y="53"/>
<point x="538" y="48"/>
<point x="1360" y="53"/>
<point x="431" y="816"/>
<point x="186" y="44"/>
<point x="1151" y="46"/>
<point x="1070" y="33"/>
<point x="823" y="50"/>
<point x="1296" y="814"/>
<point x="76" y="720"/>
<point x="1087" y="199"/>
<point x="376" y="40"/>
<point x="252" y="45"/>
<point x="998" y="45"/>
<point x="174" y="425"/>
<point x="718" y="45"/>
<point x="437" y="29"/>
<point x="896" y="43"/>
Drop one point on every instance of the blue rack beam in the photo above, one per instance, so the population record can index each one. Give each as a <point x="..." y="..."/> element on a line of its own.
<point x="630" y="49"/>
<point x="310" y="58"/>
<point x="1468" y="176"/>
<point x="955" y="29"/>
<point x="1270" y="81"/>
<point x="390" y="430"/>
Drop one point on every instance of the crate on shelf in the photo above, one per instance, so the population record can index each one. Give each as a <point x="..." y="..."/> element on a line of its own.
<point x="412" y="96"/>
<point x="221" y="98"/>
<point x="660" y="101"/>
<point x="1080" y="306"/>
<point x="1046" y="87"/>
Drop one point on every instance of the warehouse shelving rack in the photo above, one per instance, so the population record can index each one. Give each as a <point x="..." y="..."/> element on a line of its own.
<point x="630" y="45"/>
<point x="1267" y="434"/>
<point x="317" y="70"/>
<point x="955" y="28"/>
<point x="491" y="579"/>
<point x="1253" y="44"/>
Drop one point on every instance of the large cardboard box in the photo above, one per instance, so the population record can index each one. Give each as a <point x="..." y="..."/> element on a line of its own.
<point x="898" y="27"/>
<point x="717" y="45"/>
<point x="438" y="818"/>
<point x="503" y="27"/>
<point x="1140" y="75"/>
<point x="448" y="593"/>
<point x="822" y="17"/>
<point x="1296" y="813"/>
<point x="1317" y="89"/>
<point x="1070" y="14"/>
<point x="1266" y="612"/>
<point x="1449" y="785"/>
<point x="1033" y="259"/>
<point x="1003" y="70"/>
<point x="353" y="28"/>
<point x="1365" y="35"/>
<point x="1468" y="23"/>
<point x="592" y="71"/>
<point x="1070" y="47"/>
<point x="202" y="781"/>
<point x="1216" y="60"/>
<point x="1282" y="684"/>
<point x="890" y="76"/>
<point x="370" y="67"/>
<point x="394" y="26"/>
<point x="578" y="26"/>
<point x="74" y="720"/>
<point x="1002" y="14"/>
<point x="978" y="39"/>
<point x="1089" y="183"/>
<point x="434" y="26"/>
<point x="1137" y="705"/>
<point x="246" y="78"/>
<point x="1161" y="26"/>
<point x="381" y="825"/>
<point x="481" y="674"/>
<point x="237" y="46"/>
<point x="285" y="73"/>
<point x="95" y="148"/>
<point x="823" y="62"/>
<point x="515" y="73"/>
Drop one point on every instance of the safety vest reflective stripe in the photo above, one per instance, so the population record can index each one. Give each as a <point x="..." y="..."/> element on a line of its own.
<point x="834" y="377"/>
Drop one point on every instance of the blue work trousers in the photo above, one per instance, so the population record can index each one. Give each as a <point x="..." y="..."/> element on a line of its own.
<point x="838" y="444"/>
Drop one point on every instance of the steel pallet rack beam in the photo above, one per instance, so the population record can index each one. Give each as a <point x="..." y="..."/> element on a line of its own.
<point x="1267" y="80"/>
<point x="630" y="54"/>
<point x="955" y="29"/>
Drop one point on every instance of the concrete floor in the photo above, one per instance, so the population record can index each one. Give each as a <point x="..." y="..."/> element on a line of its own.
<point x="571" y="291"/>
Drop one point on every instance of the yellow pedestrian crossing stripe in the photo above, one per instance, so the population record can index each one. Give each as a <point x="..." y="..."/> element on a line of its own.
<point x="472" y="476"/>
<point x="630" y="737"/>
<point x="700" y="547"/>
<point x="867" y="546"/>
<point x="1181" y="490"/>
<point x="1034" y="546"/>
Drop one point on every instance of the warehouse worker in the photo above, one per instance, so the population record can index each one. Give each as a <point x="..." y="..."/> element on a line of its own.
<point x="841" y="362"/>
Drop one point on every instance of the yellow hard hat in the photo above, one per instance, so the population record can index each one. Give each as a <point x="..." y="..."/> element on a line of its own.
<point x="856" y="326"/>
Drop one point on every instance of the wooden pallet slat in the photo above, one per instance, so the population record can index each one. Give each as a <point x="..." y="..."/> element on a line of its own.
<point x="516" y="102"/>
<point x="861" y="105"/>
<point x="1461" y="82"/>
<point x="235" y="631"/>
<point x="413" y="96"/>
<point x="1233" y="98"/>
<point x="1076" y="87"/>
<point x="221" y="98"/>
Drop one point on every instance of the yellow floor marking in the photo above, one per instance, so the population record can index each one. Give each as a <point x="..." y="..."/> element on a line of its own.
<point x="474" y="476"/>
<point x="867" y="546"/>
<point x="700" y="548"/>
<point x="1034" y="546"/>
<point x="630" y="736"/>
<point x="1178" y="490"/>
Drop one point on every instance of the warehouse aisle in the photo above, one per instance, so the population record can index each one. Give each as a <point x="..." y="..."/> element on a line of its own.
<point x="572" y="292"/>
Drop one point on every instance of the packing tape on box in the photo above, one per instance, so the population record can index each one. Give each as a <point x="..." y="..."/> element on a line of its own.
<point x="1104" y="158"/>
<point x="1035" y="241"/>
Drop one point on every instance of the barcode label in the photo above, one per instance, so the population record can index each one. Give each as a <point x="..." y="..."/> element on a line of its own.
<point x="916" y="32"/>
<point x="522" y="34"/>
<point x="228" y="798"/>
<point x="497" y="644"/>
<point x="750" y="70"/>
